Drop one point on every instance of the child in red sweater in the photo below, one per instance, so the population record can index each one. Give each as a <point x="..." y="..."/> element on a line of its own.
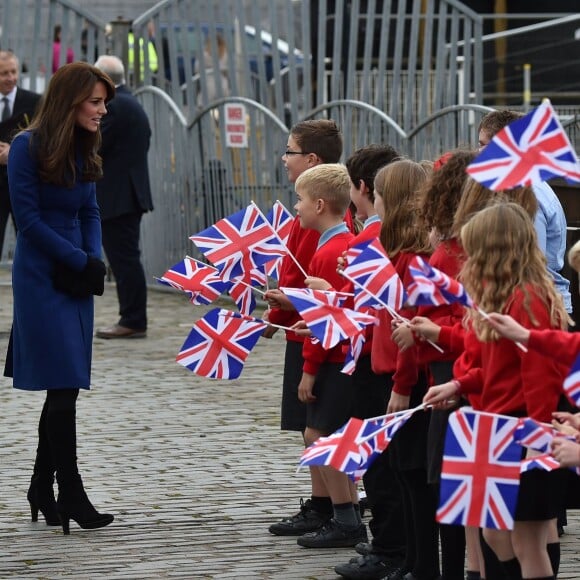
<point x="371" y="391"/>
<point x="310" y="143"/>
<point x="323" y="198"/>
<point x="396" y="192"/>
<point x="438" y="202"/>
<point x="505" y="272"/>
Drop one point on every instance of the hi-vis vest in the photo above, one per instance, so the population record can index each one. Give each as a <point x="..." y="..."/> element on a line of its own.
<point x="151" y="53"/>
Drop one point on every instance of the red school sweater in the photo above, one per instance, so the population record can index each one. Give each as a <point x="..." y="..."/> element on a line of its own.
<point x="447" y="257"/>
<point x="323" y="265"/>
<point x="368" y="234"/>
<point x="385" y="354"/>
<point x="513" y="382"/>
<point x="564" y="346"/>
<point x="302" y="245"/>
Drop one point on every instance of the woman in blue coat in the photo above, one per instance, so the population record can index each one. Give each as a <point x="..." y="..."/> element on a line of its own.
<point x="52" y="167"/>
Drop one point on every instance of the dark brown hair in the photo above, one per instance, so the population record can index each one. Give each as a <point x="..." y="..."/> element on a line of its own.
<point x="319" y="136"/>
<point x="364" y="163"/>
<point x="56" y="140"/>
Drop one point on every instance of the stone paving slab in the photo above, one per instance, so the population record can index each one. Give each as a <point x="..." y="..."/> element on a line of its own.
<point x="193" y="469"/>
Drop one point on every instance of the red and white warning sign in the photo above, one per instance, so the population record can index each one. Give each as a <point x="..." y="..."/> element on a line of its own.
<point x="236" y="130"/>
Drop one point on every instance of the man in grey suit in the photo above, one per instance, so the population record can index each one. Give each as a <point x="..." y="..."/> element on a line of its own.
<point x="124" y="195"/>
<point x="17" y="107"/>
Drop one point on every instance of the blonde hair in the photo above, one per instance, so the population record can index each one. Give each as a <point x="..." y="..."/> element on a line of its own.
<point x="574" y="256"/>
<point x="329" y="182"/>
<point x="503" y="256"/>
<point x="397" y="184"/>
<point x="476" y="196"/>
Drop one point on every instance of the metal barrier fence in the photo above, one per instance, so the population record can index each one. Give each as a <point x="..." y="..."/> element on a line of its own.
<point x="386" y="72"/>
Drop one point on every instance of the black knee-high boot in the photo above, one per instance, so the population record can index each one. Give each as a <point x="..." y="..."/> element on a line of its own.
<point x="41" y="491"/>
<point x="72" y="502"/>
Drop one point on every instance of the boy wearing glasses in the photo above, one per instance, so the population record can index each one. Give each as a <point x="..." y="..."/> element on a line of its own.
<point x="309" y="144"/>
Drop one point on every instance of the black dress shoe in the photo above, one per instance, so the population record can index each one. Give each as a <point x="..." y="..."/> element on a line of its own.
<point x="306" y="520"/>
<point x="364" y="548"/>
<point x="371" y="567"/>
<point x="334" y="535"/>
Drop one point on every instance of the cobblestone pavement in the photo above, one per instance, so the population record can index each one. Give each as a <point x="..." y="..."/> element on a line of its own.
<point x="194" y="470"/>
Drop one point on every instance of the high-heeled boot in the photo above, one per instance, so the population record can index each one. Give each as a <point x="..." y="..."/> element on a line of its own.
<point x="72" y="502"/>
<point x="41" y="498"/>
<point x="41" y="491"/>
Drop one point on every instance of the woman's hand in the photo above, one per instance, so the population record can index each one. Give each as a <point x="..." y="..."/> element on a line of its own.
<point x="443" y="396"/>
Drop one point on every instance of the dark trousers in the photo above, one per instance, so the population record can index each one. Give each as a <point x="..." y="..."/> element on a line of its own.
<point x="121" y="244"/>
<point x="384" y="493"/>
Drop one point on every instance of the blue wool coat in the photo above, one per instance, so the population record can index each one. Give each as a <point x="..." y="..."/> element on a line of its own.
<point x="52" y="331"/>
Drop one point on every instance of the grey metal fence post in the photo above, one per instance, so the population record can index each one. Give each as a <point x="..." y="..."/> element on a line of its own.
<point x="120" y="44"/>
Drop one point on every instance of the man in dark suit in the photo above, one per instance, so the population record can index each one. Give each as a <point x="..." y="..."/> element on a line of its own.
<point x="17" y="107"/>
<point x="124" y="195"/>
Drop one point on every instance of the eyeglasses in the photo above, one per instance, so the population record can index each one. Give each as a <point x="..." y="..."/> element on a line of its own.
<point x="287" y="153"/>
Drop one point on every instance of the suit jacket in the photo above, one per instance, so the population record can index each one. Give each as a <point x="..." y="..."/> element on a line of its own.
<point x="25" y="104"/>
<point x="126" y="135"/>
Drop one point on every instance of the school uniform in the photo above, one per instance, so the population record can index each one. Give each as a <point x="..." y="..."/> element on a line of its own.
<point x="302" y="245"/>
<point x="332" y="388"/>
<point x="371" y="394"/>
<point x="512" y="382"/>
<point x="408" y="450"/>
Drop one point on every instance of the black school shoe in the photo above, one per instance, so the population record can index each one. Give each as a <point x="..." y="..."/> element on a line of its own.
<point x="371" y="567"/>
<point x="334" y="535"/>
<point x="306" y="520"/>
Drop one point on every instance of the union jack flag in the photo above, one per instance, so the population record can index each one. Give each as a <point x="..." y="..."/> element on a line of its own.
<point x="241" y="290"/>
<point x="547" y="462"/>
<point x="432" y="287"/>
<point x="534" y="435"/>
<point x="480" y="473"/>
<point x="528" y="151"/>
<point x="328" y="321"/>
<point x="281" y="220"/>
<point x="376" y="437"/>
<point x="339" y="450"/>
<point x="375" y="278"/>
<point x="202" y="283"/>
<point x="572" y="383"/>
<point x="241" y="241"/>
<point x="218" y="345"/>
<point x="355" y="346"/>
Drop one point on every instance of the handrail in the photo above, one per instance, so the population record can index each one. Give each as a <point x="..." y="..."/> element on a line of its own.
<point x="444" y="111"/>
<point x="165" y="97"/>
<point x="357" y="105"/>
<point x="245" y="100"/>
<point x="520" y="30"/>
